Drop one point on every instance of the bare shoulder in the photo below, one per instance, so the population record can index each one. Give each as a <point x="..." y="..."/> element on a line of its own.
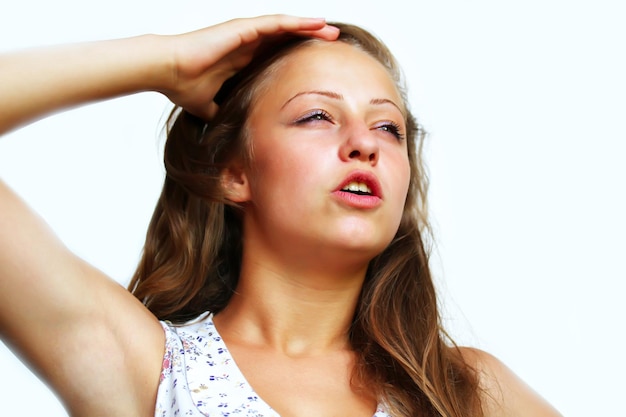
<point x="504" y="393"/>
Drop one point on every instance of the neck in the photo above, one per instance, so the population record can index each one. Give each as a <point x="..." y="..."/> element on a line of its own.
<point x="297" y="311"/>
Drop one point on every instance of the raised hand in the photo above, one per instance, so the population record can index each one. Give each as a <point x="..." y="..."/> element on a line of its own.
<point x="202" y="60"/>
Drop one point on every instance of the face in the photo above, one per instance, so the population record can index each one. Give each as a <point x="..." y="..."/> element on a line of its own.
<point x="330" y="170"/>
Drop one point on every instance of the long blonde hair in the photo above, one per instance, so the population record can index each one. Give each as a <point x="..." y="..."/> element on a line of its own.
<point x="192" y="255"/>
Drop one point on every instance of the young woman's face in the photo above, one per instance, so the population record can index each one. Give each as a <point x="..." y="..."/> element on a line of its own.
<point x="330" y="169"/>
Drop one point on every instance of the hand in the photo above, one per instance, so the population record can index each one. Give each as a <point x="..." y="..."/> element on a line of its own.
<point x="204" y="59"/>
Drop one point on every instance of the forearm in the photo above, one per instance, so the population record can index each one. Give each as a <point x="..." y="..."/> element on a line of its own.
<point x="38" y="82"/>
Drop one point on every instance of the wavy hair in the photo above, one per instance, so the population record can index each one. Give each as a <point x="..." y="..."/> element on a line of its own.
<point x="192" y="255"/>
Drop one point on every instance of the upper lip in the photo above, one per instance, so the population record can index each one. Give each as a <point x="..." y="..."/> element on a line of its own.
<point x="364" y="177"/>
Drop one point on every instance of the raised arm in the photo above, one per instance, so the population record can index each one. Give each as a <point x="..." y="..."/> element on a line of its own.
<point x="91" y="340"/>
<point x="188" y="68"/>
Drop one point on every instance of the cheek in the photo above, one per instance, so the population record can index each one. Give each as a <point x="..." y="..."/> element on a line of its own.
<point x="288" y="174"/>
<point x="401" y="175"/>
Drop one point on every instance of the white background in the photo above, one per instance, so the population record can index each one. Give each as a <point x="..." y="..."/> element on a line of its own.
<point x="525" y="103"/>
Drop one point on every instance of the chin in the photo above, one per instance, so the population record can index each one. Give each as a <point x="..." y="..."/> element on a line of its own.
<point x="367" y="246"/>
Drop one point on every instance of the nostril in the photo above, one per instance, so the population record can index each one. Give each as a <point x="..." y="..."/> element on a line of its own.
<point x="372" y="157"/>
<point x="355" y="154"/>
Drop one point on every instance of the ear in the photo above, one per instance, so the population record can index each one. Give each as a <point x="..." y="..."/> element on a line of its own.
<point x="235" y="184"/>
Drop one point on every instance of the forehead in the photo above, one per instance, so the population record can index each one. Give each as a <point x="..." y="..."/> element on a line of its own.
<point x="332" y="66"/>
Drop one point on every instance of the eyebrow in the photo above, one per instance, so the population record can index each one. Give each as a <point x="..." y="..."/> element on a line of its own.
<point x="337" y="96"/>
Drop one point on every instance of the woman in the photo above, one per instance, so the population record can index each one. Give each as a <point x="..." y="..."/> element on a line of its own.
<point x="292" y="213"/>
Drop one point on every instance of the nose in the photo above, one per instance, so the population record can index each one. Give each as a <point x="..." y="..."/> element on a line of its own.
<point x="359" y="144"/>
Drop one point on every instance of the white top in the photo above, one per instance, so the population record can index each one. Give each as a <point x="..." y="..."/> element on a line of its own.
<point x="200" y="378"/>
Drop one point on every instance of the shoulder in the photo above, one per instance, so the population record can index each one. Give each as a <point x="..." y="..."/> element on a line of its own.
<point x="504" y="394"/>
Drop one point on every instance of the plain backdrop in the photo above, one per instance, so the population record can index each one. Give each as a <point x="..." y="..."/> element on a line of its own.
<point x="525" y="107"/>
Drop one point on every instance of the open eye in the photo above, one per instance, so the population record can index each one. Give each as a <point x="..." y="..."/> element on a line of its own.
<point x="393" y="128"/>
<point x="317" y="115"/>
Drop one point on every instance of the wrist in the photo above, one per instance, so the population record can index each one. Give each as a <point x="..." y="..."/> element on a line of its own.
<point x="150" y="63"/>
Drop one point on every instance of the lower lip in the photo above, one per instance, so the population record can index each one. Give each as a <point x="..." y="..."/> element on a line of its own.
<point x="358" y="201"/>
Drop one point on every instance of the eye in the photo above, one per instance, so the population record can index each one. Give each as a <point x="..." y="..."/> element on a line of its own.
<point x="392" y="128"/>
<point x="317" y="115"/>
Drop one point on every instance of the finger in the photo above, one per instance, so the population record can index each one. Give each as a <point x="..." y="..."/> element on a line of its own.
<point x="254" y="28"/>
<point x="288" y="23"/>
<point x="328" y="32"/>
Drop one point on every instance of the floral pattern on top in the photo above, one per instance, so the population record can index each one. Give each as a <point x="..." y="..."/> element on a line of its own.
<point x="200" y="378"/>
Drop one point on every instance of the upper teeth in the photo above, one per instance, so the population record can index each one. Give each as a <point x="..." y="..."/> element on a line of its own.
<point x="357" y="187"/>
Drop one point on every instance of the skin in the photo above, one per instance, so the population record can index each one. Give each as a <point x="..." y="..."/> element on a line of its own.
<point x="53" y="304"/>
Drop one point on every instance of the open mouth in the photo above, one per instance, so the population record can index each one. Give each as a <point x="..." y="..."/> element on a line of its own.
<point x="361" y="187"/>
<point x="358" y="188"/>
